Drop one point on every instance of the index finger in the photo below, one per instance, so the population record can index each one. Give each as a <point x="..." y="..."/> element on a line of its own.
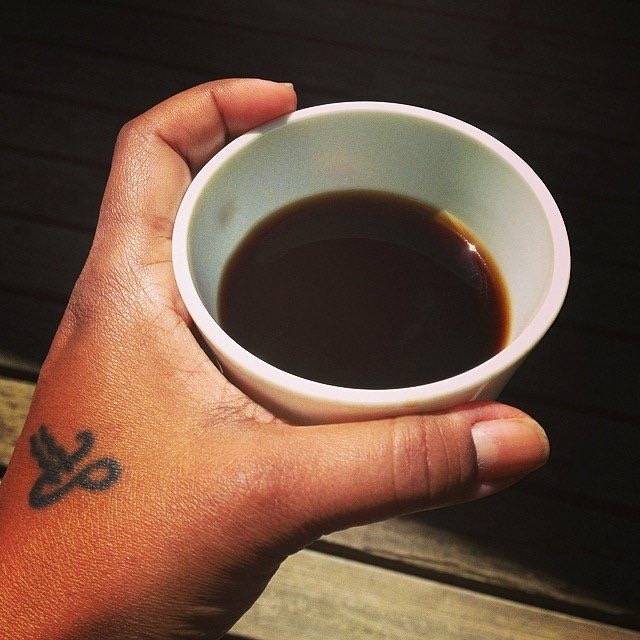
<point x="157" y="153"/>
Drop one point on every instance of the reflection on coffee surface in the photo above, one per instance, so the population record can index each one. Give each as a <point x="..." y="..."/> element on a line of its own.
<point x="364" y="289"/>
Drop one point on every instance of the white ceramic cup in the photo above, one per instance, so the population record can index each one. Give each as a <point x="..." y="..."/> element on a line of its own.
<point x="401" y="149"/>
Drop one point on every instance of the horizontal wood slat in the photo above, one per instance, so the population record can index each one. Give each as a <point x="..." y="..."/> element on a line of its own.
<point x="15" y="398"/>
<point x="317" y="596"/>
<point x="531" y="549"/>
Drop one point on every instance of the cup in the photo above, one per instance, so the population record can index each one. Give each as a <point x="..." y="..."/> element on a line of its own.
<point x="396" y="148"/>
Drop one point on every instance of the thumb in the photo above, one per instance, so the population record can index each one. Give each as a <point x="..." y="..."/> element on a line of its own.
<point x="345" y="475"/>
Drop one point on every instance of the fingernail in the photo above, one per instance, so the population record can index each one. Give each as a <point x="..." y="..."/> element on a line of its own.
<point x="287" y="84"/>
<point x="510" y="447"/>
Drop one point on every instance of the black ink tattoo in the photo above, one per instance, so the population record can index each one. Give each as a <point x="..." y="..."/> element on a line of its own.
<point x="57" y="464"/>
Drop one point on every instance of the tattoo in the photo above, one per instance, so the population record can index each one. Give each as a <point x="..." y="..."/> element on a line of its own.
<point x="58" y="464"/>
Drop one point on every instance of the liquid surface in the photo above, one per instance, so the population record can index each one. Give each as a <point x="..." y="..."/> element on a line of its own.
<point x="364" y="289"/>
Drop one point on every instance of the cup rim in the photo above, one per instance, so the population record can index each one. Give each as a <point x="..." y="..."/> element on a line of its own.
<point x="226" y="348"/>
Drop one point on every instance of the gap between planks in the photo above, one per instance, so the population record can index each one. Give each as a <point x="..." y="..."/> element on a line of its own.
<point x="315" y="596"/>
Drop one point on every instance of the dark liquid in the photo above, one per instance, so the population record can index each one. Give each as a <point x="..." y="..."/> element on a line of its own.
<point x="364" y="289"/>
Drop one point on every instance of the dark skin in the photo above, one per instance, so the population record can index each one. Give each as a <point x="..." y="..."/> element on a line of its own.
<point x="150" y="498"/>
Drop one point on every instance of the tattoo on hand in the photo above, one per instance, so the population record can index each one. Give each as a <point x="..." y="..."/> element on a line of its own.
<point x="58" y="466"/>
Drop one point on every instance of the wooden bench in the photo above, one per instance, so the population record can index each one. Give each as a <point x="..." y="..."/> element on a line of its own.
<point x="408" y="578"/>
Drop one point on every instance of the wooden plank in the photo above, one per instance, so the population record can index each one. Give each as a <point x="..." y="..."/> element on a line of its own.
<point x="41" y="259"/>
<point x="593" y="458"/>
<point x="603" y="296"/>
<point x="535" y="550"/>
<point x="18" y="366"/>
<point x="27" y="326"/>
<point x="574" y="369"/>
<point x="591" y="18"/>
<point x="565" y="107"/>
<point x="429" y="34"/>
<point x="476" y="92"/>
<point x="69" y="132"/>
<point x="92" y="78"/>
<point x="317" y="596"/>
<point x="598" y="228"/>
<point x="15" y="399"/>
<point x="50" y="190"/>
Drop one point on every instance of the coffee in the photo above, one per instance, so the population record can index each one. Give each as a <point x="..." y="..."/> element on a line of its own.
<point x="364" y="289"/>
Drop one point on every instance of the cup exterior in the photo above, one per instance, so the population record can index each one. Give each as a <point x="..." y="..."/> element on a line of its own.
<point x="299" y="406"/>
<point x="531" y="247"/>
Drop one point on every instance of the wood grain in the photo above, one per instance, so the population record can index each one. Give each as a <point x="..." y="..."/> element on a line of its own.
<point x="45" y="261"/>
<point x="527" y="548"/>
<point x="318" y="596"/>
<point x="583" y="447"/>
<point x="49" y="190"/>
<point x="27" y="327"/>
<point x="15" y="398"/>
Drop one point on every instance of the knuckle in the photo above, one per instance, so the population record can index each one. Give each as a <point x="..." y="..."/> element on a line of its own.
<point x="87" y="299"/>
<point x="409" y="458"/>
<point x="265" y="501"/>
<point x="134" y="153"/>
<point x="257" y="484"/>
<point x="252" y="475"/>
<point x="255" y="492"/>
<point x="134" y="131"/>
<point x="98" y="294"/>
<point x="433" y="460"/>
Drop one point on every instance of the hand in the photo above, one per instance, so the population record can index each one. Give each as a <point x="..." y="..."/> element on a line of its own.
<point x="147" y="496"/>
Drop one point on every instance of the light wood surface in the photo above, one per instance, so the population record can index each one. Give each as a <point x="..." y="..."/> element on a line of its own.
<point x="315" y="597"/>
<point x="15" y="398"/>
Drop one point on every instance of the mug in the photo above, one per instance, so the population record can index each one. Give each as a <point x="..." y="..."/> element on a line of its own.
<point x="403" y="150"/>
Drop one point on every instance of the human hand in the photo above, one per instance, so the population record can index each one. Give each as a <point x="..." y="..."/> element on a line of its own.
<point x="147" y="496"/>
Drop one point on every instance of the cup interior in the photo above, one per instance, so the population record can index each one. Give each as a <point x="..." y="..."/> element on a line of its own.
<point x="403" y="150"/>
